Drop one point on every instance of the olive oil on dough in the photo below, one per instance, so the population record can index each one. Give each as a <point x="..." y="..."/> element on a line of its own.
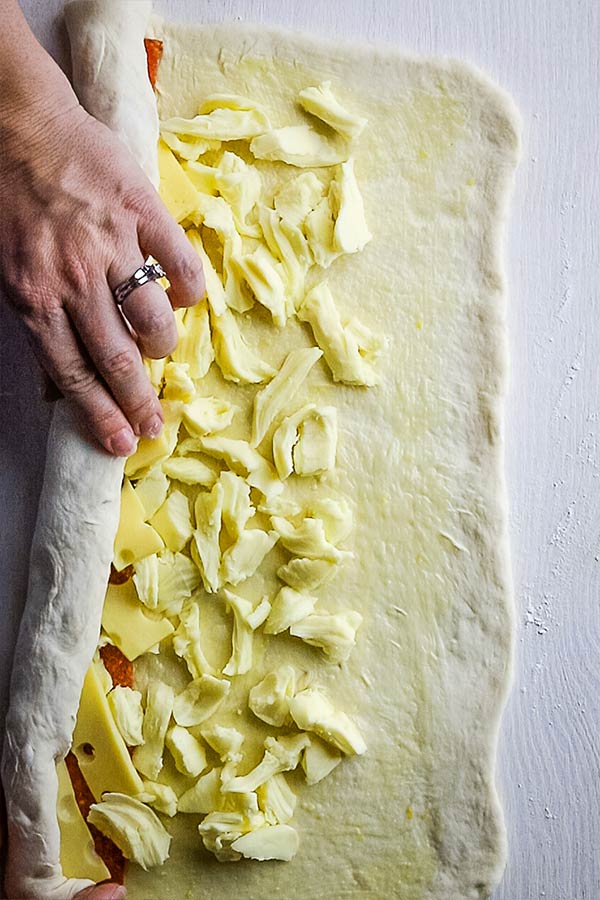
<point x="417" y="816"/>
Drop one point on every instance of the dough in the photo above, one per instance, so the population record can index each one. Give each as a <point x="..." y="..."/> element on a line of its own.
<point x="417" y="817"/>
<point x="420" y="456"/>
<point x="78" y="513"/>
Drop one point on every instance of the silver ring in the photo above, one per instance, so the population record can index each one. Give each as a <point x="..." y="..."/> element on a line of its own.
<point x="150" y="271"/>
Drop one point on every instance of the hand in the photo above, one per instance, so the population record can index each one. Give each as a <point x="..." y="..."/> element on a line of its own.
<point x="77" y="217"/>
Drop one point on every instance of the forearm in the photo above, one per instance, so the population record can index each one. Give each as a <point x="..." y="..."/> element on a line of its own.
<point x="29" y="78"/>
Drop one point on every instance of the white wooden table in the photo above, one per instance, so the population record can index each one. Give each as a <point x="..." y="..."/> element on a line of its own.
<point x="545" y="52"/>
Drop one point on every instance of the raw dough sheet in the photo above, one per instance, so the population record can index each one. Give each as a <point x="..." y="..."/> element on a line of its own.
<point x="417" y="817"/>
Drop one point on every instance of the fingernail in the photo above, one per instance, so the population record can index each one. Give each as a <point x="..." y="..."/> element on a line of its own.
<point x="152" y="426"/>
<point x="122" y="443"/>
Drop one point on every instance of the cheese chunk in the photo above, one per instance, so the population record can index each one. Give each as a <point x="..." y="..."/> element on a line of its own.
<point x="319" y="760"/>
<point x="350" y="350"/>
<point x="319" y="227"/>
<point x="160" y="796"/>
<point x="206" y="550"/>
<point x="350" y="233"/>
<point x="187" y="643"/>
<point x="311" y="710"/>
<point x="281" y="755"/>
<point x="148" y="758"/>
<point x="334" y="633"/>
<point x="307" y="539"/>
<point x="188" y="753"/>
<point x="214" y="289"/>
<point x="235" y="359"/>
<point x="336" y="515"/>
<point x="134" y="539"/>
<point x="269" y="700"/>
<point x="178" y="578"/>
<point x="304" y="574"/>
<point x="134" y="828"/>
<point x="306" y="441"/>
<point x="151" y="451"/>
<point x="237" y="508"/>
<point x="277" y="800"/>
<point x="206" y="415"/>
<point x="220" y="124"/>
<point x="126" y="707"/>
<point x="194" y="347"/>
<point x="98" y="745"/>
<point x="175" y="188"/>
<point x="260" y="272"/>
<point x="178" y="383"/>
<point x="268" y="842"/>
<point x="78" y="857"/>
<point x="227" y="742"/>
<point x="298" y="197"/>
<point x="297" y="145"/>
<point x="288" y="245"/>
<point x="242" y="559"/>
<point x="240" y="185"/>
<point x="190" y="148"/>
<point x="199" y="700"/>
<point x="126" y="624"/>
<point x="288" y="607"/>
<point x="321" y="102"/>
<point x="204" y="796"/>
<point x="269" y="402"/>
<point x="189" y="471"/>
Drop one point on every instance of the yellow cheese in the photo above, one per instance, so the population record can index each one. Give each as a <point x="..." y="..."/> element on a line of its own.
<point x="176" y="190"/>
<point x="151" y="451"/>
<point x="124" y="621"/>
<point x="78" y="857"/>
<point x="173" y="521"/>
<point x="297" y="145"/>
<point x="135" y="539"/>
<point x="100" y="750"/>
<point x="269" y="402"/>
<point x="194" y="346"/>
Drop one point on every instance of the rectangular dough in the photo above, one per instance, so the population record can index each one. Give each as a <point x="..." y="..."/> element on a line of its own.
<point x="417" y="817"/>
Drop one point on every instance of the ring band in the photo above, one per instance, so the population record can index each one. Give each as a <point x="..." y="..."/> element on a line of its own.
<point x="150" y="271"/>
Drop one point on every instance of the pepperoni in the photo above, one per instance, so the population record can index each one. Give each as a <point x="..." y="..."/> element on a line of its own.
<point x="154" y="52"/>
<point x="106" y="849"/>
<point x="117" y="665"/>
<point x="120" y="577"/>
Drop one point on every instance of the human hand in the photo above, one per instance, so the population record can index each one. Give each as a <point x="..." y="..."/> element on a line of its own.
<point x="75" y="211"/>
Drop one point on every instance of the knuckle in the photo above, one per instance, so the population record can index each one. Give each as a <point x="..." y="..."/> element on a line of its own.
<point x="155" y="323"/>
<point x="120" y="364"/>
<point x="77" y="379"/>
<point x="74" y="270"/>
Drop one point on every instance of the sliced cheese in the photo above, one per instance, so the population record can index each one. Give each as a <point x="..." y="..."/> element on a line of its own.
<point x="98" y="745"/>
<point x="173" y="521"/>
<point x="175" y="188"/>
<point x="78" y="857"/>
<point x="134" y="539"/>
<point x="124" y="621"/>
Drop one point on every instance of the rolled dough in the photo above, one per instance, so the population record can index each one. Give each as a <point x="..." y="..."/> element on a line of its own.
<point x="417" y="817"/>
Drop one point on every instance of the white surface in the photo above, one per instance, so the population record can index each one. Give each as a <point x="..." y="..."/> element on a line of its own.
<point x="545" y="53"/>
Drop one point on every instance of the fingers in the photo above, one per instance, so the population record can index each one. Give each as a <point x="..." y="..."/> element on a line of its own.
<point x="161" y="236"/>
<point x="102" y="892"/>
<point x="117" y="357"/>
<point x="147" y="309"/>
<point x="56" y="347"/>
